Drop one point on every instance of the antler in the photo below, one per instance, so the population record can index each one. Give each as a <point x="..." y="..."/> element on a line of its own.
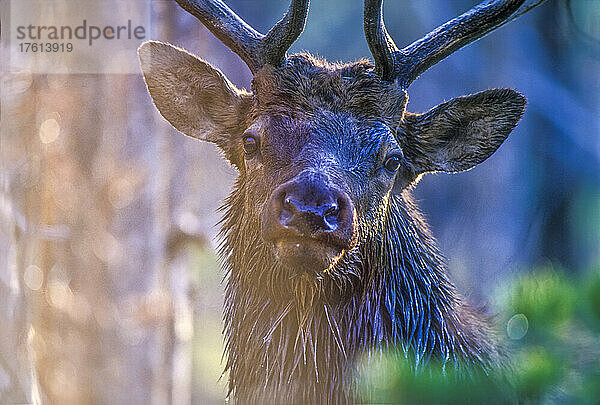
<point x="407" y="64"/>
<point x="255" y="49"/>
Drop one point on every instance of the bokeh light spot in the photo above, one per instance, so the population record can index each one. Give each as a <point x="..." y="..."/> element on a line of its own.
<point x="49" y="131"/>
<point x="33" y="277"/>
<point x="59" y="295"/>
<point x="121" y="193"/>
<point x="517" y="326"/>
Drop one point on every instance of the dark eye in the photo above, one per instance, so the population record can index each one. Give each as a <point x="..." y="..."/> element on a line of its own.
<point x="250" y="145"/>
<point x="392" y="163"/>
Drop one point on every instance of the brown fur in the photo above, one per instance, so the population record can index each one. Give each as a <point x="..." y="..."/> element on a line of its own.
<point x="297" y="339"/>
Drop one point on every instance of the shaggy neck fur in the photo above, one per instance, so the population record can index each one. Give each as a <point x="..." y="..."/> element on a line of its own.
<point x="297" y="341"/>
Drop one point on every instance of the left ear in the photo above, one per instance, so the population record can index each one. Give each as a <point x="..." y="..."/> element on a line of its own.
<point x="195" y="97"/>
<point x="461" y="133"/>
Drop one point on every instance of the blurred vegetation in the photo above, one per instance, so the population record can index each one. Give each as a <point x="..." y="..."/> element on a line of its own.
<point x="552" y="324"/>
<point x="207" y="344"/>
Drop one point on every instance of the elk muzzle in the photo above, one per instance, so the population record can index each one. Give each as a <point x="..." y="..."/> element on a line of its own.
<point x="309" y="222"/>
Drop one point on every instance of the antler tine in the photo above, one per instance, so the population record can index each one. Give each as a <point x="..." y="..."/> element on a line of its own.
<point x="255" y="49"/>
<point x="279" y="39"/>
<point x="453" y="35"/>
<point x="380" y="43"/>
<point x="407" y="64"/>
<point x="228" y="27"/>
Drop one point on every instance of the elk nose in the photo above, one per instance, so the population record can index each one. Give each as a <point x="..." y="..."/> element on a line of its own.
<point x="308" y="207"/>
<point x="307" y="218"/>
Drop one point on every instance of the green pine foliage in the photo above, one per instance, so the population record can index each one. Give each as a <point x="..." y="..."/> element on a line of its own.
<point x="552" y="325"/>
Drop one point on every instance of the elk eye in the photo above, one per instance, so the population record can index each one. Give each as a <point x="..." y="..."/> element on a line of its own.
<point x="392" y="163"/>
<point x="250" y="145"/>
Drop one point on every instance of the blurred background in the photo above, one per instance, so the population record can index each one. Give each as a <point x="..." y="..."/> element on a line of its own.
<point x="110" y="290"/>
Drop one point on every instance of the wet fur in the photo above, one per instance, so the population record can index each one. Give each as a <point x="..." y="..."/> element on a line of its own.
<point x="297" y="339"/>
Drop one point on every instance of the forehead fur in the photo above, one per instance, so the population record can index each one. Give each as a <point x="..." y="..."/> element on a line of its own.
<point x="306" y="84"/>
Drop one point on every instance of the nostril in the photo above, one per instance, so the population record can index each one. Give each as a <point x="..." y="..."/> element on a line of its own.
<point x="289" y="205"/>
<point x="309" y="210"/>
<point x="332" y="210"/>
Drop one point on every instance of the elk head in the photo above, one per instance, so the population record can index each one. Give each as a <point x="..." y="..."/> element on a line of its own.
<point x="321" y="148"/>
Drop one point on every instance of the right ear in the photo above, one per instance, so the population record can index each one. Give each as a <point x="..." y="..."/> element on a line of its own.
<point x="196" y="98"/>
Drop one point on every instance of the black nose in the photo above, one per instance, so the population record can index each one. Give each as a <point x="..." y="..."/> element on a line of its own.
<point x="309" y="217"/>
<point x="307" y="206"/>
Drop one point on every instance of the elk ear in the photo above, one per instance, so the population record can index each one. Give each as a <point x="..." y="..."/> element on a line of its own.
<point x="196" y="98"/>
<point x="461" y="133"/>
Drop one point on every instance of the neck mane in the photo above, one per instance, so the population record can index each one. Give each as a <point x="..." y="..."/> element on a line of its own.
<point x="298" y="342"/>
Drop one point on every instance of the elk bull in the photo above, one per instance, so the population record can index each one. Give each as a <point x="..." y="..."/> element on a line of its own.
<point x="326" y="254"/>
